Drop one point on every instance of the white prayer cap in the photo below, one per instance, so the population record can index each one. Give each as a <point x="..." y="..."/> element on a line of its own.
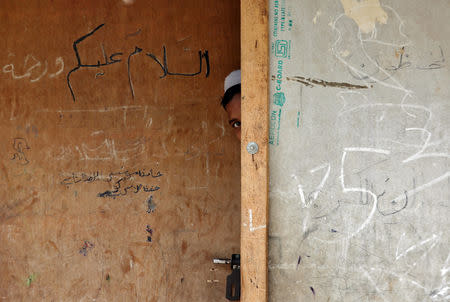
<point x="232" y="79"/>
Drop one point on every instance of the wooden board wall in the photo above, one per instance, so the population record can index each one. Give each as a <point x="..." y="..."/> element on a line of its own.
<point x="112" y="136"/>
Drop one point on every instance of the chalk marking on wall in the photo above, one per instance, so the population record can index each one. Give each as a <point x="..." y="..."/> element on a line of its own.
<point x="207" y="165"/>
<point x="125" y="117"/>
<point x="360" y="189"/>
<point x="425" y="145"/>
<point x="317" y="15"/>
<point x="113" y="149"/>
<point x="163" y="144"/>
<point x="197" y="188"/>
<point x="79" y="152"/>
<point x="9" y="68"/>
<point x="101" y="110"/>
<point x="41" y="75"/>
<point x="250" y="219"/>
<point x="283" y="266"/>
<point x="380" y="293"/>
<point x="364" y="149"/>
<point x="412" y="106"/>
<point x="149" y="122"/>
<point x="58" y="61"/>
<point x="444" y="291"/>
<point x="221" y="126"/>
<point x="109" y="150"/>
<point x="324" y="179"/>
<point x="301" y="193"/>
<point x="345" y="246"/>
<point x="413" y="247"/>
<point x="29" y="70"/>
<point x="217" y="170"/>
<point x="361" y="73"/>
<point x="97" y="132"/>
<point x="426" y="134"/>
<point x="364" y="75"/>
<point x="323" y="166"/>
<point x="144" y="118"/>
<point x="306" y="222"/>
<point x="428" y="250"/>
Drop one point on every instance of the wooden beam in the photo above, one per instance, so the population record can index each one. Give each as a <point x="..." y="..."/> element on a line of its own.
<point x="254" y="168"/>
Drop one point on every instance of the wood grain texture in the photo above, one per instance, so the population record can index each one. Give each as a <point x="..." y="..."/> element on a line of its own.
<point x="60" y="240"/>
<point x="254" y="203"/>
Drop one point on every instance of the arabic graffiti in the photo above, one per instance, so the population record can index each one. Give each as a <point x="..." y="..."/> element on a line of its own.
<point x="105" y="151"/>
<point x="41" y="70"/>
<point x="118" y="180"/>
<point x="20" y="145"/>
<point x="119" y="191"/>
<point x="116" y="58"/>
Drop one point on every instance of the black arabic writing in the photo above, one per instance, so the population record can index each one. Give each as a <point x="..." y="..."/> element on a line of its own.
<point x="118" y="179"/>
<point x="115" y="58"/>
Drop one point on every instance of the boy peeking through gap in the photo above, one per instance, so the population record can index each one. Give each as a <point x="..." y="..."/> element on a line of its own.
<point x="231" y="101"/>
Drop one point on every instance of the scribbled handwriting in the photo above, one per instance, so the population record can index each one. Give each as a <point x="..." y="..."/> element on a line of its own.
<point x="118" y="180"/>
<point x="150" y="233"/>
<point x="20" y="145"/>
<point x="105" y="151"/>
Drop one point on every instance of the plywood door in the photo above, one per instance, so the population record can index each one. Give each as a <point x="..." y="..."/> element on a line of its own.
<point x="118" y="177"/>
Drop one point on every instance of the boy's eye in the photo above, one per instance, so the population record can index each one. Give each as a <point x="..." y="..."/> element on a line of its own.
<point x="236" y="124"/>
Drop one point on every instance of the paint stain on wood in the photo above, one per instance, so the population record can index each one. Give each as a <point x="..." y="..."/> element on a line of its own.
<point x="311" y="82"/>
<point x="184" y="247"/>
<point x="87" y="246"/>
<point x="125" y="266"/>
<point x="53" y="245"/>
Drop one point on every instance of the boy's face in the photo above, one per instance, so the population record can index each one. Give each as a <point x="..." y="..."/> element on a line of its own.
<point x="233" y="109"/>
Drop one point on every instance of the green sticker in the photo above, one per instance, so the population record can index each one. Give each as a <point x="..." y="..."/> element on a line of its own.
<point x="31" y="278"/>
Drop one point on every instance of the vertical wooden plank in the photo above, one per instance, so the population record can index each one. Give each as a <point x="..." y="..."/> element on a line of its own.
<point x="254" y="168"/>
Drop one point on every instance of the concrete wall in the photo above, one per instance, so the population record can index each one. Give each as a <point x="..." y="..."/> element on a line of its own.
<point x="359" y="179"/>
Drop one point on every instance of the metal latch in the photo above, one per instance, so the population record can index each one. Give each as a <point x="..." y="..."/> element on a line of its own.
<point x="233" y="289"/>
